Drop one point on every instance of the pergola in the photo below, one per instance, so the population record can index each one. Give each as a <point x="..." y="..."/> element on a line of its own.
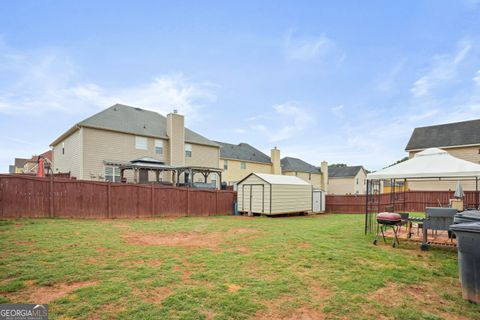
<point x="431" y="164"/>
<point x="142" y="166"/>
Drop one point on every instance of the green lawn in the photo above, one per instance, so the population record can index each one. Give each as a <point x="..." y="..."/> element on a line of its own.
<point x="316" y="267"/>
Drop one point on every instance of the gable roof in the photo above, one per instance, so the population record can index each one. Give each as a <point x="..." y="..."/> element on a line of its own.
<point x="242" y="151"/>
<point x="136" y="121"/>
<point x="445" y="135"/>
<point x="278" y="179"/>
<point x="295" y="164"/>
<point x="344" y="172"/>
<point x="20" y="162"/>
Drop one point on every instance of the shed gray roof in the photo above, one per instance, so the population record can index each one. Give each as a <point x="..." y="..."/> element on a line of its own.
<point x="138" y="121"/>
<point x="445" y="135"/>
<point x="295" y="164"/>
<point x="242" y="151"/>
<point x="344" y="172"/>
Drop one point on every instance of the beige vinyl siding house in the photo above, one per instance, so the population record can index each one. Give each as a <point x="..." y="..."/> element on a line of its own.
<point x="317" y="176"/>
<point x="460" y="139"/>
<point x="347" y="180"/>
<point x="94" y="148"/>
<point x="238" y="161"/>
<point x="269" y="194"/>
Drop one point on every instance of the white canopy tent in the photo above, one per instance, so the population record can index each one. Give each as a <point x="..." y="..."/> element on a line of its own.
<point x="430" y="163"/>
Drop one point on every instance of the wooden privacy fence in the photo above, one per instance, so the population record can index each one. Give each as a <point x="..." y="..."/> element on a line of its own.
<point x="414" y="201"/>
<point x="23" y="196"/>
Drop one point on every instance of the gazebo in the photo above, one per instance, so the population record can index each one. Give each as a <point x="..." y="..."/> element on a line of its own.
<point x="431" y="164"/>
<point x="142" y="166"/>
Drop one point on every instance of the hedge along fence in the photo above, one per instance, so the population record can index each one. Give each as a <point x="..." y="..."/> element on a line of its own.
<point x="408" y="201"/>
<point x="33" y="197"/>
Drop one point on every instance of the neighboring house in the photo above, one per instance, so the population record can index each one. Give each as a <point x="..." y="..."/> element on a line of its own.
<point x="240" y="160"/>
<point x="17" y="167"/>
<point x="460" y="139"/>
<point x="347" y="180"/>
<point x="95" y="148"/>
<point x="30" y="166"/>
<point x="316" y="176"/>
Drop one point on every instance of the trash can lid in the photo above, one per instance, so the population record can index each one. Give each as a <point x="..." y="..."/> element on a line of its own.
<point x="466" y="227"/>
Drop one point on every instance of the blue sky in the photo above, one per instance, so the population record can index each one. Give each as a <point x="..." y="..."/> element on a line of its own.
<point x="342" y="81"/>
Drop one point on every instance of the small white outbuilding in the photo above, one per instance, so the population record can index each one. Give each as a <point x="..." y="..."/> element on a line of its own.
<point x="271" y="194"/>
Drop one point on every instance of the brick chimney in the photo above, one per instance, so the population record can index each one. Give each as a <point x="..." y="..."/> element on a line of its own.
<point x="176" y="138"/>
<point x="324" y="168"/>
<point x="275" y="158"/>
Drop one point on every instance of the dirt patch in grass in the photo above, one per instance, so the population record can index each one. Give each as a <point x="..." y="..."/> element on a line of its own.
<point x="279" y="309"/>
<point x="155" y="295"/>
<point x="233" y="287"/>
<point x="186" y="239"/>
<point x="424" y="297"/>
<point x="48" y="294"/>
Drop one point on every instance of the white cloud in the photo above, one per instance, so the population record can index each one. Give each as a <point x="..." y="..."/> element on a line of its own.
<point x="476" y="78"/>
<point x="444" y="69"/>
<point x="338" y="110"/>
<point x="387" y="82"/>
<point x="308" y="48"/>
<point x="285" y="122"/>
<point x="38" y="83"/>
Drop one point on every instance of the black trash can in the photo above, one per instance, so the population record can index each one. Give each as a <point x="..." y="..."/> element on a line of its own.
<point x="468" y="238"/>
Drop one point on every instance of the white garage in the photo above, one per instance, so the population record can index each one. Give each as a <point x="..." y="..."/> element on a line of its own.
<point x="270" y="194"/>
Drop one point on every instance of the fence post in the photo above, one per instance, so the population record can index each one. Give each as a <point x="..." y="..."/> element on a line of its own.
<point x="152" y="189"/>
<point x="109" y="200"/>
<point x="188" y="201"/>
<point x="51" y="200"/>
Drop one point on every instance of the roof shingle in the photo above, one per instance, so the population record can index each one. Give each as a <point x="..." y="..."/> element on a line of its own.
<point x="138" y="121"/>
<point x="242" y="151"/>
<point x="445" y="135"/>
<point x="295" y="164"/>
<point x="344" y="172"/>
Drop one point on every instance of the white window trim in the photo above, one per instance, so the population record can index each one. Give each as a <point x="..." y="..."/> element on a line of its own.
<point x="139" y="145"/>
<point x="158" y="144"/>
<point x="113" y="171"/>
<point x="188" y="148"/>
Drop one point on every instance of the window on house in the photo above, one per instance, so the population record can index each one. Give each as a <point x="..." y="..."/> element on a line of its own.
<point x="357" y="180"/>
<point x="112" y="174"/>
<point x="141" y="143"/>
<point x="309" y="176"/>
<point x="225" y="164"/>
<point x="188" y="150"/>
<point x="296" y="173"/>
<point x="478" y="151"/>
<point x="159" y="146"/>
<point x="63" y="147"/>
<point x="214" y="179"/>
<point x="243" y="165"/>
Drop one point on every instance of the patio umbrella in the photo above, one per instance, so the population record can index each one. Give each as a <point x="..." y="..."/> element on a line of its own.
<point x="459" y="191"/>
<point x="41" y="168"/>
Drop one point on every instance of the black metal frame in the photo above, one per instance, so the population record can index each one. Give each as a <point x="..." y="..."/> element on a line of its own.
<point x="373" y="197"/>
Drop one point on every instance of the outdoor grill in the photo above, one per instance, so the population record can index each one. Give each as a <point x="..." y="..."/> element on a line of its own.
<point x="388" y="220"/>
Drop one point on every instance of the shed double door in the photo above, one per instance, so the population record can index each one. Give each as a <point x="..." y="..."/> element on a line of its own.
<point x="253" y="198"/>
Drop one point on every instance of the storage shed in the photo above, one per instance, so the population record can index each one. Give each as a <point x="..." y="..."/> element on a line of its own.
<point x="271" y="194"/>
